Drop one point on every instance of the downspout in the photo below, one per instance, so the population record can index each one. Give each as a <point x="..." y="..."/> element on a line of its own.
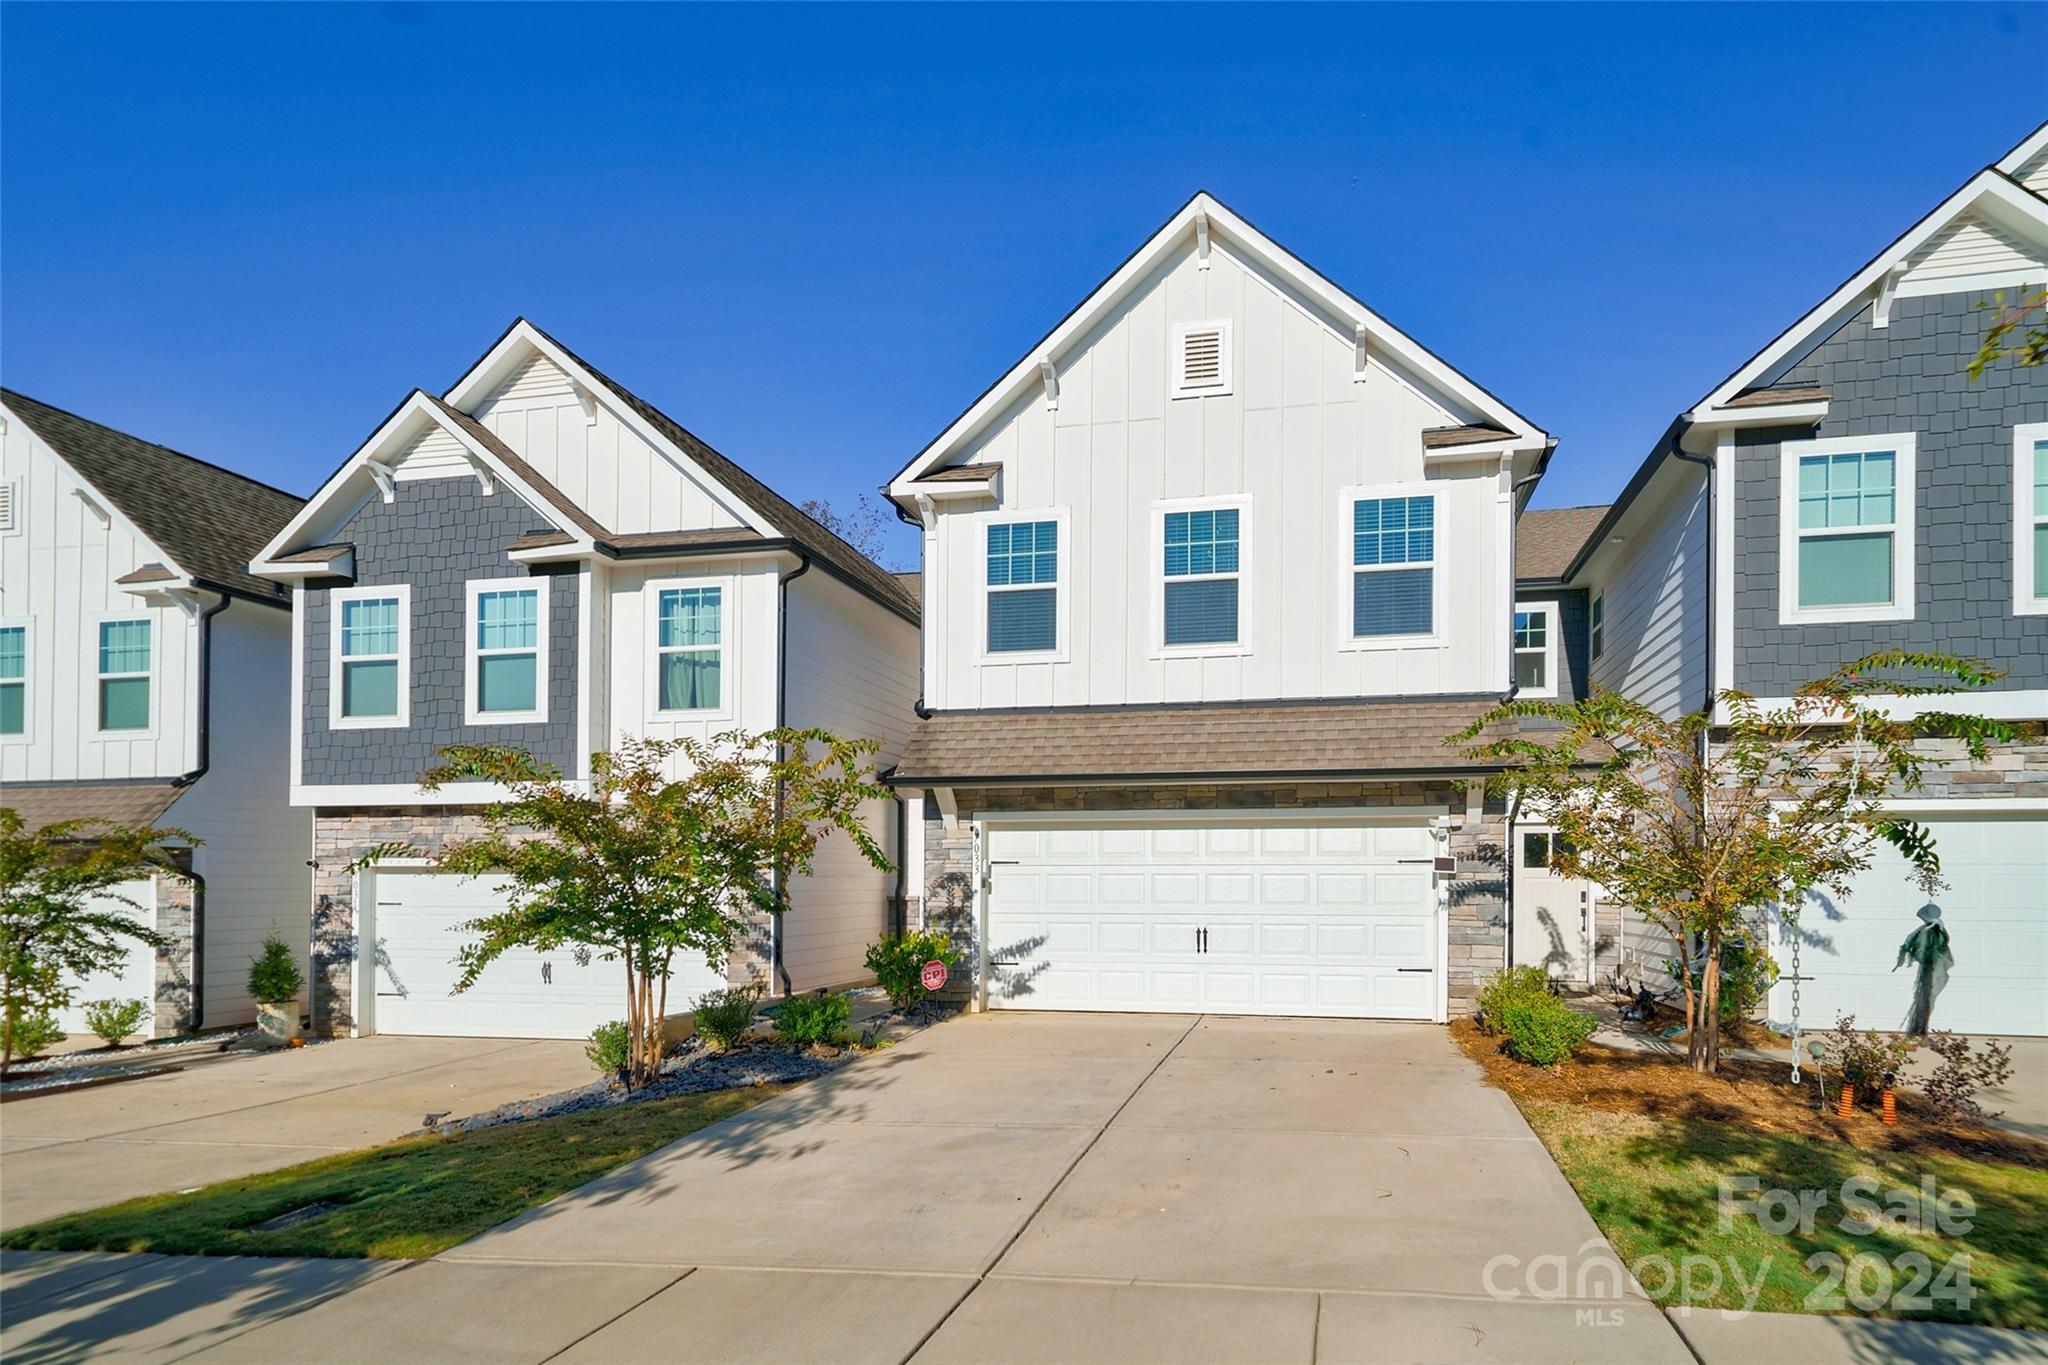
<point x="184" y="780"/>
<point x="782" y="583"/>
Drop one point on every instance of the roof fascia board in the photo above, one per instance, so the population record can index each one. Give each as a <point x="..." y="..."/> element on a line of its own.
<point x="1846" y="300"/>
<point x="99" y="496"/>
<point x="1774" y="415"/>
<point x="481" y="377"/>
<point x="2029" y="147"/>
<point x="1226" y="230"/>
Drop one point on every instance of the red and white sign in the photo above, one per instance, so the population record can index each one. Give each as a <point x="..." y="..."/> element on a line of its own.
<point x="934" y="975"/>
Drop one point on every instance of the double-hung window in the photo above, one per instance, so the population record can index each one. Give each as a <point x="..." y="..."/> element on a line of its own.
<point x="1023" y="587"/>
<point x="1535" y="651"/>
<point x="508" y="651"/>
<point x="2030" y="519"/>
<point x="689" y="648"/>
<point x="1596" y="629"/>
<point x="370" y="681"/>
<point x="1393" y="567"/>
<point x="1846" y="545"/>
<point x="1201" y="558"/>
<point x="125" y="649"/>
<point x="13" y="679"/>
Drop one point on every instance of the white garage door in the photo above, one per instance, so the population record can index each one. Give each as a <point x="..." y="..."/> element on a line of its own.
<point x="523" y="994"/>
<point x="1222" y="919"/>
<point x="1996" y="910"/>
<point x="134" y="978"/>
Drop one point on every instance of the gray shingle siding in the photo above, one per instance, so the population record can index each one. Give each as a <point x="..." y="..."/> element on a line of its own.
<point x="1570" y="623"/>
<point x="436" y="535"/>
<point x="1910" y="376"/>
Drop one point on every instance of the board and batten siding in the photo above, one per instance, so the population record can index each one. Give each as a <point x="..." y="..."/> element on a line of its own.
<point x="254" y="842"/>
<point x="1655" y="589"/>
<point x="58" y="570"/>
<point x="747" y="680"/>
<point x="1297" y="428"/>
<point x="852" y="670"/>
<point x="595" y="458"/>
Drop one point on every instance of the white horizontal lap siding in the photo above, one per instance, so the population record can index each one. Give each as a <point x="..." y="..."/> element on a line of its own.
<point x="60" y="571"/>
<point x="2034" y="175"/>
<point x="254" y="842"/>
<point x="433" y="454"/>
<point x="853" y="670"/>
<point x="1296" y="429"/>
<point x="1654" y="591"/>
<point x="607" y="467"/>
<point x="1972" y="248"/>
<point x="747" y="686"/>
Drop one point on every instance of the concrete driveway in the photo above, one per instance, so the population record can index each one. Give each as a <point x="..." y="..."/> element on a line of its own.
<point x="233" y="1115"/>
<point x="1057" y="1187"/>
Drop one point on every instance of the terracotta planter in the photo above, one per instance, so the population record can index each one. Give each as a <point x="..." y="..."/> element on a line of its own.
<point x="279" y="1022"/>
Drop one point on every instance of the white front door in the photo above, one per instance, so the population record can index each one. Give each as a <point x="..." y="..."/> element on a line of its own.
<point x="1995" y="909"/>
<point x="1224" y="918"/>
<point x="523" y="994"/>
<point x="135" y="977"/>
<point x="1553" y="919"/>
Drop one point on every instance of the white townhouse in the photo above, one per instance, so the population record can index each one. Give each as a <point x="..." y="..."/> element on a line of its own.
<point x="1209" y="575"/>
<point x="541" y="558"/>
<point x="144" y="680"/>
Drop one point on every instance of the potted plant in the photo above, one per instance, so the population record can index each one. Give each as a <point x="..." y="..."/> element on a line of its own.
<point x="275" y="980"/>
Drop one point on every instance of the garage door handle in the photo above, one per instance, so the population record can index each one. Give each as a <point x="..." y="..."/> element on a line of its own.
<point x="1414" y="969"/>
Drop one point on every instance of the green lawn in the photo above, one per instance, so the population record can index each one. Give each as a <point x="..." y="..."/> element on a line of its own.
<point x="1653" y="1187"/>
<point x="410" y="1198"/>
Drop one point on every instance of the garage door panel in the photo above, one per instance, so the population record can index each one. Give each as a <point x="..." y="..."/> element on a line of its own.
<point x="1311" y="919"/>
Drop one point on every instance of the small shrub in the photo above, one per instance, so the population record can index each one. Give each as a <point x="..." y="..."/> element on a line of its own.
<point x="30" y="1034"/>
<point x="724" y="1016"/>
<point x="1504" y="988"/>
<point x="1963" y="1071"/>
<point x="897" y="961"/>
<point x="813" y="1018"/>
<point x="607" y="1047"/>
<point x="113" y="1020"/>
<point x="1543" y="1030"/>
<point x="1867" y="1059"/>
<point x="274" y="975"/>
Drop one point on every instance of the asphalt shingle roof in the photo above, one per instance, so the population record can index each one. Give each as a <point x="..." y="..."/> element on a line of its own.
<point x="1546" y="540"/>
<point x="211" y="521"/>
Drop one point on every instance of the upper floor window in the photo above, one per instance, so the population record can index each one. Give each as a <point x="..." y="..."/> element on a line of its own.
<point x="1393" y="568"/>
<point x="369" y="680"/>
<point x="13" y="679"/>
<point x="1200" y="559"/>
<point x="1846" y="538"/>
<point x="1535" y="651"/>
<point x="1596" y="628"/>
<point x="689" y="648"/>
<point x="1023" y="587"/>
<point x="124" y="673"/>
<point x="508" y="650"/>
<point x="2030" y="519"/>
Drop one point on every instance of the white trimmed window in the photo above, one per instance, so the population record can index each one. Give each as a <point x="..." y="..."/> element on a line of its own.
<point x="1536" y="649"/>
<point x="1201" y="359"/>
<point x="1202" y="554"/>
<point x="690" y="637"/>
<point x="2030" y="519"/>
<point x="1846" y="529"/>
<point x="507" y="652"/>
<point x="1023" y="568"/>
<point x="1393" y="589"/>
<point x="369" y="681"/>
<point x="1596" y="632"/>
<point x="126" y="650"/>
<point x="14" y="662"/>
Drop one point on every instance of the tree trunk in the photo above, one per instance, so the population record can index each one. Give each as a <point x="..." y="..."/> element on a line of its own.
<point x="1706" y="1039"/>
<point x="632" y="1020"/>
<point x="1684" y="943"/>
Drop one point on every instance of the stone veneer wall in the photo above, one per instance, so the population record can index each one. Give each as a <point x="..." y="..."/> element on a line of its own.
<point x="177" y="900"/>
<point x="1478" y="928"/>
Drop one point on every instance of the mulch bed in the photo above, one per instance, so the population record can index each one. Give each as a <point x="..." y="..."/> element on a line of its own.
<point x="1757" y="1094"/>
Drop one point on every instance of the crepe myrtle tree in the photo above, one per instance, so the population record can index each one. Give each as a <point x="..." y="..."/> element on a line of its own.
<point x="1700" y="823"/>
<point x="62" y="914"/>
<point x="635" y="867"/>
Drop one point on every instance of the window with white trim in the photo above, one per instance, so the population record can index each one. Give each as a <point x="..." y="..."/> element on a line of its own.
<point x="370" y="675"/>
<point x="2030" y="519"/>
<point x="1393" y="545"/>
<point x="1846" y="540"/>
<point x="689" y="648"/>
<point x="126" y="647"/>
<point x="1536" y="650"/>
<point x="1023" y="573"/>
<point x="1200" y="558"/>
<point x="14" y="645"/>
<point x="507" y="652"/>
<point x="1596" y="630"/>
<point x="1201" y="359"/>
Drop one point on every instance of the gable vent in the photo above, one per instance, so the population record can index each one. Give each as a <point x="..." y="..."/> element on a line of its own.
<point x="9" y="515"/>
<point x="1201" y="359"/>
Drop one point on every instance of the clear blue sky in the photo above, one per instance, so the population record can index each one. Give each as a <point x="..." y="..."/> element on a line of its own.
<point x="814" y="235"/>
